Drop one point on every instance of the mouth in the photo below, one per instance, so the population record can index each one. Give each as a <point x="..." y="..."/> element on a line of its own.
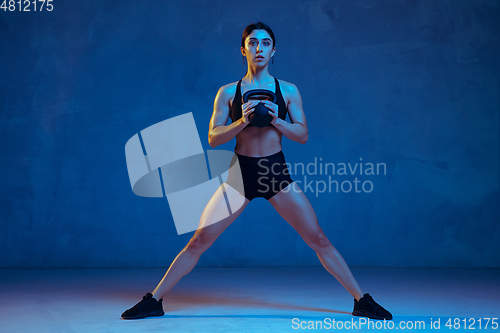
<point x="259" y="57"/>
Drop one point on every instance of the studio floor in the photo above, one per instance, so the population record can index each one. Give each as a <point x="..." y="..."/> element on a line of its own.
<point x="262" y="299"/>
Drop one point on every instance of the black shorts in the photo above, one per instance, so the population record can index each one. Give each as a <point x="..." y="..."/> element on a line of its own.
<point x="262" y="176"/>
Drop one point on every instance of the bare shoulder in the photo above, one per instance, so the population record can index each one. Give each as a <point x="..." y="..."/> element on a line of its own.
<point x="228" y="90"/>
<point x="289" y="91"/>
<point x="289" y="86"/>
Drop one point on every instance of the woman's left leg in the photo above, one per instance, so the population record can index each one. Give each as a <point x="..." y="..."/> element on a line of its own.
<point x="292" y="204"/>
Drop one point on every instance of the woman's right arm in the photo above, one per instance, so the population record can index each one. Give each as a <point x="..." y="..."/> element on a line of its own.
<point x="218" y="132"/>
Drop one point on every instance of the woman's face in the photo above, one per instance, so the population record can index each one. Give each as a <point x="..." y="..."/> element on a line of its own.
<point x="258" y="47"/>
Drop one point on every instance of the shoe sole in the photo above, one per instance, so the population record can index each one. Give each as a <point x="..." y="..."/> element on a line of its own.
<point x="361" y="313"/>
<point x="154" y="313"/>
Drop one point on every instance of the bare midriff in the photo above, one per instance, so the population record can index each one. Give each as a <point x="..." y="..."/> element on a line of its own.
<point x="258" y="142"/>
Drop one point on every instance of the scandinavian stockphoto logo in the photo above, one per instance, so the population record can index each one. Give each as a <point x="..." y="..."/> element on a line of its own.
<point x="168" y="160"/>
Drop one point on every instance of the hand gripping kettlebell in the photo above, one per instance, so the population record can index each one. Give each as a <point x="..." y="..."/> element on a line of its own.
<point x="260" y="117"/>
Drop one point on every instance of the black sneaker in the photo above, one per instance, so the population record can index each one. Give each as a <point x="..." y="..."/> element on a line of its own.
<point x="148" y="307"/>
<point x="367" y="307"/>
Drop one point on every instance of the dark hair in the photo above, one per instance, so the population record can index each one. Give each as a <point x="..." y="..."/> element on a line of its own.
<point x="259" y="25"/>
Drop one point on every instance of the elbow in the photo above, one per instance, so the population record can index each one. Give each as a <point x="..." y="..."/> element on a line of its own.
<point x="211" y="141"/>
<point x="304" y="138"/>
<point x="305" y="135"/>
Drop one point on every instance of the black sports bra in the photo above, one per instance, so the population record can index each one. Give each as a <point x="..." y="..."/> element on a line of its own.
<point x="235" y="113"/>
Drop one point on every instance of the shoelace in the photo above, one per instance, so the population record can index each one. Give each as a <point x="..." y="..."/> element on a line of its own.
<point x="144" y="298"/>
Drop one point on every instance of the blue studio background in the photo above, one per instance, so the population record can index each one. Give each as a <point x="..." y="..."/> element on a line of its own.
<point x="412" y="84"/>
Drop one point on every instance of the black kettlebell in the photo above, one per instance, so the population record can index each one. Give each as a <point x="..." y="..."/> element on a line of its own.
<point x="260" y="117"/>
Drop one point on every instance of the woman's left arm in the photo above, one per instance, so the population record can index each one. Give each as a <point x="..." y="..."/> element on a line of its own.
<point x="297" y="130"/>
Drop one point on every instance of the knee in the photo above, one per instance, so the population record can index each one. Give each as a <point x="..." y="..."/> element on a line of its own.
<point x="198" y="243"/>
<point x="319" y="241"/>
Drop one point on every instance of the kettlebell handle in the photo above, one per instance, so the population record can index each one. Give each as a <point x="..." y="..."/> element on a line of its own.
<point x="254" y="92"/>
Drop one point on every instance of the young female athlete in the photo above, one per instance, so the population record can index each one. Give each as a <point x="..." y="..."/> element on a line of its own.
<point x="258" y="150"/>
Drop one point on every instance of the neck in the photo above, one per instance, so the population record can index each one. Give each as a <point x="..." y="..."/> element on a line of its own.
<point x="257" y="76"/>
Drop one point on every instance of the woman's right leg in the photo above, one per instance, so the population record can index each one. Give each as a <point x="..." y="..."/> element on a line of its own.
<point x="207" y="232"/>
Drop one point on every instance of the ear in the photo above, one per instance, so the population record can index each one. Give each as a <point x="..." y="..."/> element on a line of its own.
<point x="243" y="51"/>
